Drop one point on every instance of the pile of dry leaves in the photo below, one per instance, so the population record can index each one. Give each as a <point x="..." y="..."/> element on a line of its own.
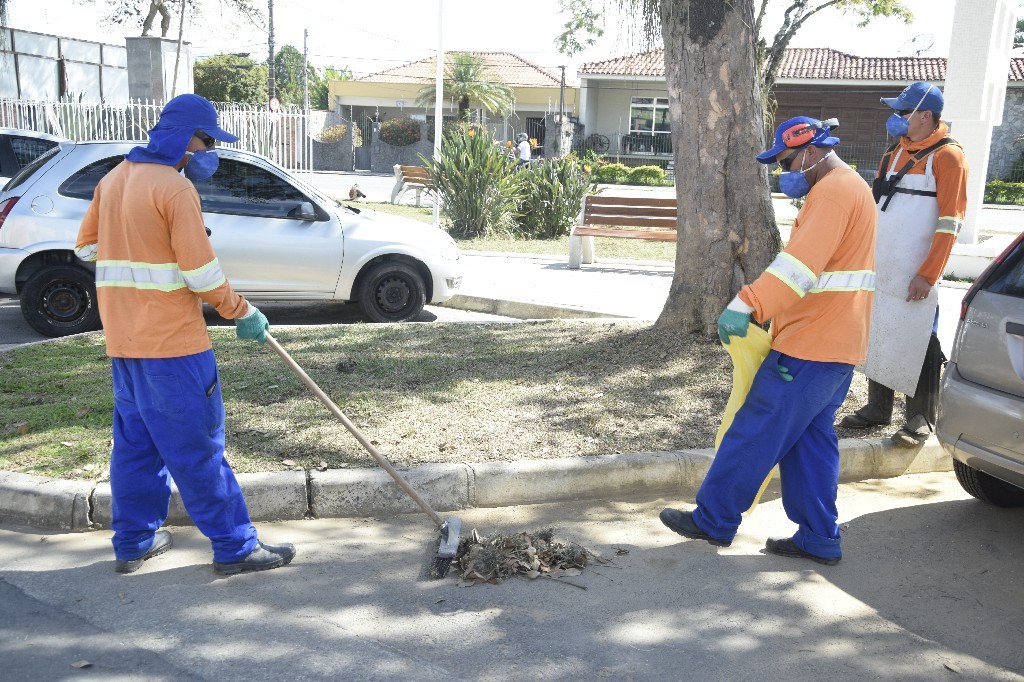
<point x="492" y="560"/>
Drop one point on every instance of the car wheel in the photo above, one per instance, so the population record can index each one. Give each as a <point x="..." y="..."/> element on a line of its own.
<point x="392" y="292"/>
<point x="61" y="300"/>
<point x="988" y="488"/>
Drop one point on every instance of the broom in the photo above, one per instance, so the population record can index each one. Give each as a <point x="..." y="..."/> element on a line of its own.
<point x="449" y="528"/>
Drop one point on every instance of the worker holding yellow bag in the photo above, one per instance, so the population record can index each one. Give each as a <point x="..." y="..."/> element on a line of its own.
<point x="817" y="294"/>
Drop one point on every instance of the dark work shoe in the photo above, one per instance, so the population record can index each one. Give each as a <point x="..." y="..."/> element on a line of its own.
<point x="864" y="418"/>
<point x="786" y="547"/>
<point x="912" y="435"/>
<point x="161" y="543"/>
<point x="263" y="558"/>
<point x="683" y="523"/>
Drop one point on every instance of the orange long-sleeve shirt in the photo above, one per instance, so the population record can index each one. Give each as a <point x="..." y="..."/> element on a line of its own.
<point x="818" y="291"/>
<point x="950" y="169"/>
<point x="154" y="263"/>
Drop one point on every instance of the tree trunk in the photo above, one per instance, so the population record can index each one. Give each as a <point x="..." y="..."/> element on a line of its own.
<point x="727" y="232"/>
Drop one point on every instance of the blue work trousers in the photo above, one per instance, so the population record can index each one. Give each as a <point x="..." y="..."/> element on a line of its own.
<point x="789" y="423"/>
<point x="169" y="423"/>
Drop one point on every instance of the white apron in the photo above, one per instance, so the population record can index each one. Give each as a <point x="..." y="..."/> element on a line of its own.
<point x="900" y="329"/>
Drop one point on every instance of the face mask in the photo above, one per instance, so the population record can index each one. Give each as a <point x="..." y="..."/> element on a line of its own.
<point x="202" y="165"/>
<point x="897" y="125"/>
<point x="794" y="184"/>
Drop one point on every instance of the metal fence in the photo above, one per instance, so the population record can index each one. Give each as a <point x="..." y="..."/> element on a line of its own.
<point x="285" y="137"/>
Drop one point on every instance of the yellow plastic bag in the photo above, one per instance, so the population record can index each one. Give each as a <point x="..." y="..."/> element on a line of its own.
<point x="747" y="354"/>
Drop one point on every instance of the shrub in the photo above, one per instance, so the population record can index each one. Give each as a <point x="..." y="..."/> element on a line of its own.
<point x="553" y="193"/>
<point x="477" y="185"/>
<point x="646" y="175"/>
<point x="611" y="173"/>
<point x="400" y="132"/>
<point x="334" y="133"/>
<point x="1002" y="192"/>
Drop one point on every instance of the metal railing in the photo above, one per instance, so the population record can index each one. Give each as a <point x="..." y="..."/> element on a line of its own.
<point x="285" y="137"/>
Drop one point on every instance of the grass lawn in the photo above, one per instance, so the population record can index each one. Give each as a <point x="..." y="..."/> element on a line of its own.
<point x="420" y="392"/>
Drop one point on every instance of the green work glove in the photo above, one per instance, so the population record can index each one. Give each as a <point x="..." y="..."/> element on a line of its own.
<point x="784" y="373"/>
<point x="732" y="323"/>
<point x="253" y="325"/>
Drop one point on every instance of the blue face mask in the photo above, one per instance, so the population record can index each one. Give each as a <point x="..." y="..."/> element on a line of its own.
<point x="202" y="165"/>
<point x="897" y="126"/>
<point x="794" y="184"/>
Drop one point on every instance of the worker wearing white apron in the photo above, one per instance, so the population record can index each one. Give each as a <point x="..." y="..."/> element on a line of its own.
<point x="920" y="212"/>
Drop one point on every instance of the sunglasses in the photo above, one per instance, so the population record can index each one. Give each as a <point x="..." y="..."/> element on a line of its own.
<point x="206" y="139"/>
<point x="904" y="112"/>
<point x="787" y="163"/>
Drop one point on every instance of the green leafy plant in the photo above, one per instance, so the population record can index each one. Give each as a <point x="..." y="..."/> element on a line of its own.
<point x="477" y="185"/>
<point x="400" y="132"/>
<point x="646" y="175"/>
<point x="554" y="191"/>
<point x="1002" y="192"/>
<point x="611" y="173"/>
<point x="334" y="133"/>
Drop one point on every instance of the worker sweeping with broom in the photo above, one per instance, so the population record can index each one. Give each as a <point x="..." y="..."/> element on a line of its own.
<point x="818" y="295"/>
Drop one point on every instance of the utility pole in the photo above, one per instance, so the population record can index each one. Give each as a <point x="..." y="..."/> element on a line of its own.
<point x="305" y="71"/>
<point x="561" y="116"/>
<point x="270" y="60"/>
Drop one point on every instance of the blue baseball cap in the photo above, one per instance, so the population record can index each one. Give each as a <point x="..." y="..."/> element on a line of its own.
<point x="798" y="132"/>
<point x="920" y="96"/>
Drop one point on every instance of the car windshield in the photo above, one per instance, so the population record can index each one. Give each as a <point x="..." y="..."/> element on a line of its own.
<point x="31" y="168"/>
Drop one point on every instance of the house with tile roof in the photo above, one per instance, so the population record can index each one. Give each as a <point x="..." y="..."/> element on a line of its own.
<point x="393" y="92"/>
<point x="624" y="102"/>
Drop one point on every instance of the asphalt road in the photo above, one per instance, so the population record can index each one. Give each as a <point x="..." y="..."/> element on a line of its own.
<point x="930" y="588"/>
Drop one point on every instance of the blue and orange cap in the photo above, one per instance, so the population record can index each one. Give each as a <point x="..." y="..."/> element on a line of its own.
<point x="798" y="132"/>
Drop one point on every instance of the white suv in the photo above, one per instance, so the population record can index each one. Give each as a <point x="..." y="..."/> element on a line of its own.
<point x="276" y="238"/>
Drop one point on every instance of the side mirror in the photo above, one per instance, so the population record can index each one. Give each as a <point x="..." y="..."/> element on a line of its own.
<point x="304" y="211"/>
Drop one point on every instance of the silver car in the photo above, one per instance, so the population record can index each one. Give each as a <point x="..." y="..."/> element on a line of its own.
<point x="18" y="148"/>
<point x="275" y="237"/>
<point x="981" y="404"/>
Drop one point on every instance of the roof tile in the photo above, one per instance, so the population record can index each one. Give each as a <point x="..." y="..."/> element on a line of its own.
<point x="502" y="67"/>
<point x="810" y="63"/>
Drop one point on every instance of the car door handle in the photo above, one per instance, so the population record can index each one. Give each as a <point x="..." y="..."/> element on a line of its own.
<point x="1015" y="328"/>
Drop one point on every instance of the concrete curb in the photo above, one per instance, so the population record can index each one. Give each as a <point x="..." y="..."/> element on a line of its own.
<point x="291" y="495"/>
<point x="522" y="310"/>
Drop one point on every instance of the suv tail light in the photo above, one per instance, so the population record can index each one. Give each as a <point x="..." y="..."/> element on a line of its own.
<point x="5" y="207"/>
<point x="978" y="283"/>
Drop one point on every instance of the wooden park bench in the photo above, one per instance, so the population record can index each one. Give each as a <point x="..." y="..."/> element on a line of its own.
<point x="636" y="217"/>
<point x="410" y="178"/>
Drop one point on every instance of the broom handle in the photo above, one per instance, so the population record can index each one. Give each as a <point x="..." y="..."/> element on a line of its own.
<point x="311" y="385"/>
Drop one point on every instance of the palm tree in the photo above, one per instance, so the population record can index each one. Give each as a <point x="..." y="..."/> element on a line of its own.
<point x="466" y="81"/>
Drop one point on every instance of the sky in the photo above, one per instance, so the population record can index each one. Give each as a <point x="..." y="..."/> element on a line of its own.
<point x="367" y="40"/>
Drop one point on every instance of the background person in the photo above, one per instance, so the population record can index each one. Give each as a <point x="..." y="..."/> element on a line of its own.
<point x="523" y="149"/>
<point x="817" y="294"/>
<point x="155" y="268"/>
<point x="920" y="214"/>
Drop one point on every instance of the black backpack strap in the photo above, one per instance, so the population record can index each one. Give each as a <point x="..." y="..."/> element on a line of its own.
<point x="917" y="156"/>
<point x="883" y="166"/>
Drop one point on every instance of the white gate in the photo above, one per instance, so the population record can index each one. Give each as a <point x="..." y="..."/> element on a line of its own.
<point x="285" y="137"/>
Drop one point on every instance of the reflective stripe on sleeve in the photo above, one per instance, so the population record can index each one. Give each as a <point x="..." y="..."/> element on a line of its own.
<point x="206" y="278"/>
<point x="158" y="276"/>
<point x="123" y="273"/>
<point x="845" y="280"/>
<point x="793" y="273"/>
<point x="87" y="252"/>
<point x="949" y="225"/>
